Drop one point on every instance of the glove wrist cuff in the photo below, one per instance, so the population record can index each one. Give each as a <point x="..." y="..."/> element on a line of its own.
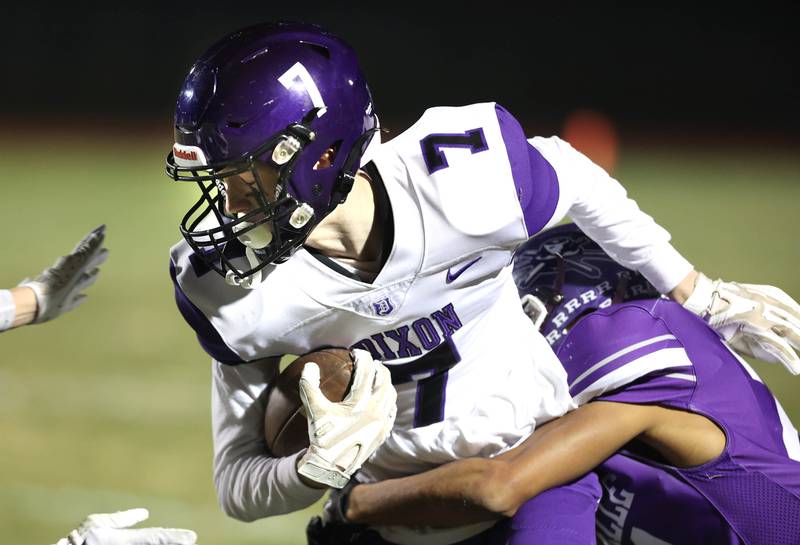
<point x="41" y="300"/>
<point x="699" y="302"/>
<point x="325" y="475"/>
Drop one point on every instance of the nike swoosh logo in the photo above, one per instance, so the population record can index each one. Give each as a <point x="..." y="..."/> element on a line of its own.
<point x="452" y="275"/>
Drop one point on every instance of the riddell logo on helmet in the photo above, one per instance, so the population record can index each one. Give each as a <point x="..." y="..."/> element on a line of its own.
<point x="185" y="155"/>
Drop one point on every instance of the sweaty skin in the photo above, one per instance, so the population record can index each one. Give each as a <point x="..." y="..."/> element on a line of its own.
<point x="478" y="489"/>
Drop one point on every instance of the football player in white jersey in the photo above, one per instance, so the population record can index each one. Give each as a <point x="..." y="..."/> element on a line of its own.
<point x="701" y="438"/>
<point x="307" y="236"/>
<point x="57" y="289"/>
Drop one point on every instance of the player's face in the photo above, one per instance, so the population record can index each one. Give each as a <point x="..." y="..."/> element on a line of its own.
<point x="241" y="191"/>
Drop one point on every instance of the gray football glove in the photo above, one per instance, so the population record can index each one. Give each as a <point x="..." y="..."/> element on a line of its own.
<point x="58" y="288"/>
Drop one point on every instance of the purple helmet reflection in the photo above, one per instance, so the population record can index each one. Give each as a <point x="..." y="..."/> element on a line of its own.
<point x="573" y="276"/>
<point x="276" y="95"/>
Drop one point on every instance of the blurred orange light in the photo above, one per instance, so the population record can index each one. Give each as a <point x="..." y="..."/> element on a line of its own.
<point x="593" y="134"/>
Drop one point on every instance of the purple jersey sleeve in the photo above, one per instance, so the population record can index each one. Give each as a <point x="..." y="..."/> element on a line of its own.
<point x="207" y="336"/>
<point x="534" y="178"/>
<point x="616" y="347"/>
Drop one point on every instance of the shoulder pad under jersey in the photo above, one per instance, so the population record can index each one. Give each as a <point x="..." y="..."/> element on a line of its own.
<point x="612" y="347"/>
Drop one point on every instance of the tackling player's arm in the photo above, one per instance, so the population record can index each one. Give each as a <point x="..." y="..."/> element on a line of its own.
<point x="558" y="452"/>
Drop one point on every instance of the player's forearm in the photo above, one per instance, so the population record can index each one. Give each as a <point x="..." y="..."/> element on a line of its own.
<point x="250" y="483"/>
<point x="17" y="307"/>
<point x="25" y="301"/>
<point x="477" y="489"/>
<point x="257" y="486"/>
<point x="683" y="290"/>
<point x="600" y="206"/>
<point x="451" y="495"/>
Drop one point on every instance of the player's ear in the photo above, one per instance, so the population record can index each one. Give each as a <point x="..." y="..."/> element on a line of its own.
<point x="326" y="159"/>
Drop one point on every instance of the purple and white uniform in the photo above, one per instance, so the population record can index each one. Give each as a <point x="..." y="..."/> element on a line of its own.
<point x="647" y="505"/>
<point x="465" y="188"/>
<point x="654" y="351"/>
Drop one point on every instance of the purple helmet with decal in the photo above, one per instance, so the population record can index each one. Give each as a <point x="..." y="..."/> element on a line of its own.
<point x="276" y="95"/>
<point x="573" y="276"/>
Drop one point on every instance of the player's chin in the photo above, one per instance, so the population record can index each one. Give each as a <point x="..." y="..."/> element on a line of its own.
<point x="254" y="236"/>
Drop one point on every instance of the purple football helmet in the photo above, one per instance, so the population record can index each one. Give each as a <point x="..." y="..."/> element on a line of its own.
<point x="573" y="276"/>
<point x="276" y="95"/>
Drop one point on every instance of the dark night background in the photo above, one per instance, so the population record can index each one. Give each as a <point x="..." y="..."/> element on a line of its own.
<point x="676" y="67"/>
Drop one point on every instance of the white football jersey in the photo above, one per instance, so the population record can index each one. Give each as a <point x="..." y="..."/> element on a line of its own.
<point x="472" y="374"/>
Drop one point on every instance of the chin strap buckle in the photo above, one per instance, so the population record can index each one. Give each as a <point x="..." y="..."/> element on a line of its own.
<point x="248" y="282"/>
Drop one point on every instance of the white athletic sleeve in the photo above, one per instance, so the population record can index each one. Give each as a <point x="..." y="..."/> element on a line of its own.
<point x="8" y="310"/>
<point x="250" y="483"/>
<point x="600" y="206"/>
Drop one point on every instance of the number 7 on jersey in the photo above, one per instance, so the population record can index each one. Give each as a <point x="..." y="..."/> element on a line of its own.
<point x="433" y="146"/>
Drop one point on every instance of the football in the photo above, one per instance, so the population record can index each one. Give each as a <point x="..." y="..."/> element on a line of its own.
<point x="285" y="425"/>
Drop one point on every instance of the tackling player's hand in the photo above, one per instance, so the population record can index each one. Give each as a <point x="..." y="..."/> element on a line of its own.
<point x="756" y="320"/>
<point x="343" y="435"/>
<point x="58" y="288"/>
<point x="333" y="528"/>
<point x="112" y="529"/>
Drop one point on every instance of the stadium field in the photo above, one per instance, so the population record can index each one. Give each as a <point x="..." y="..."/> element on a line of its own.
<point x="108" y="408"/>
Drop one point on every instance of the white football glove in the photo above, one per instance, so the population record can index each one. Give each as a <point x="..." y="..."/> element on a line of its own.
<point x="756" y="320"/>
<point x="534" y="308"/>
<point x="110" y="529"/>
<point x="343" y="435"/>
<point x="58" y="288"/>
